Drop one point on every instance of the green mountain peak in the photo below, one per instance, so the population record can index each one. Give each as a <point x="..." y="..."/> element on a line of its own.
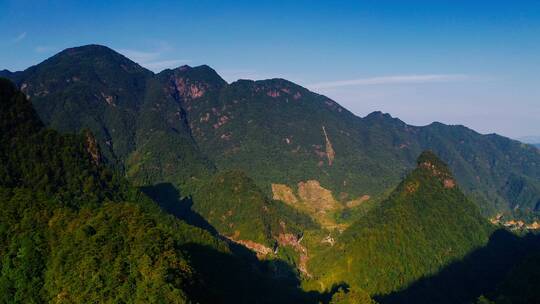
<point x="423" y="225"/>
<point x="430" y="163"/>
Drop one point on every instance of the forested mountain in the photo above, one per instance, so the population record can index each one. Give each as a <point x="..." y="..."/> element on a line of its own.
<point x="265" y="190"/>
<point x="424" y="226"/>
<point x="73" y="231"/>
<point x="156" y="126"/>
<point x="139" y="126"/>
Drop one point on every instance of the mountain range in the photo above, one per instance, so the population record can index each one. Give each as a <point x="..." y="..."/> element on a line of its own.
<point x="280" y="185"/>
<point x="278" y="132"/>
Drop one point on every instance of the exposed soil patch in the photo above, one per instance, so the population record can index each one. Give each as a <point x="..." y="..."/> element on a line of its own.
<point x="261" y="250"/>
<point x="411" y="187"/>
<point x="318" y="198"/>
<point x="284" y="193"/>
<point x="288" y="239"/>
<point x="358" y="201"/>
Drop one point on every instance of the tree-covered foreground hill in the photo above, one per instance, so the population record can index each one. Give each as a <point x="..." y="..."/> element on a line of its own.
<point x="422" y="226"/>
<point x="72" y="231"/>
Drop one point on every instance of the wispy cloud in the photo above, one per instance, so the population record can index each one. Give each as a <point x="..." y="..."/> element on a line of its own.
<point x="140" y="56"/>
<point x="44" y="49"/>
<point x="154" y="60"/>
<point x="19" y="38"/>
<point x="394" y="79"/>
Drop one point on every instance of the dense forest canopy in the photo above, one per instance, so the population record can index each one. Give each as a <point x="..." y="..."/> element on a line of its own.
<point x="73" y="231"/>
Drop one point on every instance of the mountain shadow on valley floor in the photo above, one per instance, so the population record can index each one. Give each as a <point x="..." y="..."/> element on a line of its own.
<point x="167" y="196"/>
<point x="238" y="277"/>
<point x="232" y="280"/>
<point x="478" y="273"/>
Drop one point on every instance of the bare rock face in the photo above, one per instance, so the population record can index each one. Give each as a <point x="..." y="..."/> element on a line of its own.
<point x="447" y="180"/>
<point x="187" y="84"/>
<point x="92" y="148"/>
<point x="273" y="93"/>
<point x="186" y="89"/>
<point x="330" y="153"/>
<point x="109" y="99"/>
<point x="288" y="239"/>
<point x="411" y="187"/>
<point x="449" y="183"/>
<point x="429" y="162"/>
<point x="261" y="250"/>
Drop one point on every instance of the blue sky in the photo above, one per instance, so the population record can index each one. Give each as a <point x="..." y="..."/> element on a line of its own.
<point x="459" y="62"/>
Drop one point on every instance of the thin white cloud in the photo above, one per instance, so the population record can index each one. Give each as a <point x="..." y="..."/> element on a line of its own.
<point x="20" y="37"/>
<point x="153" y="60"/>
<point x="140" y="56"/>
<point x="395" y="79"/>
<point x="44" y="49"/>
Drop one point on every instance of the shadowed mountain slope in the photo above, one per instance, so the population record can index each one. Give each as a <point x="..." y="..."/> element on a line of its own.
<point x="505" y="268"/>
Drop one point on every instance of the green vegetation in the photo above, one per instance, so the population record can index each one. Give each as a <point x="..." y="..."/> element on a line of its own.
<point x="424" y="225"/>
<point x="73" y="232"/>
<point x="343" y="296"/>
<point x="273" y="130"/>
<point x="232" y="203"/>
<point x="179" y="125"/>
<point x="113" y="253"/>
<point x="60" y="238"/>
<point x="140" y="129"/>
<point x="498" y="173"/>
<point x="73" y="229"/>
